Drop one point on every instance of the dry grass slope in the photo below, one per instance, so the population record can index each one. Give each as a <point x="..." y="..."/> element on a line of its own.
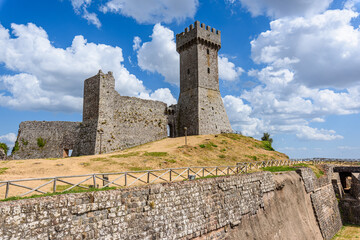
<point x="207" y="150"/>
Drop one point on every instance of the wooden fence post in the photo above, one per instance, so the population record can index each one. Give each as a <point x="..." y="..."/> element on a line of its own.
<point x="54" y="185"/>
<point x="7" y="189"/>
<point x="125" y="179"/>
<point x="94" y="180"/>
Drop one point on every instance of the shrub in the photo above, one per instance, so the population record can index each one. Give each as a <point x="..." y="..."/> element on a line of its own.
<point x="24" y="142"/>
<point x="208" y="145"/>
<point x="266" y="137"/>
<point x="4" y="147"/>
<point x="15" y="148"/>
<point x="267" y="146"/>
<point x="221" y="156"/>
<point x="41" y="142"/>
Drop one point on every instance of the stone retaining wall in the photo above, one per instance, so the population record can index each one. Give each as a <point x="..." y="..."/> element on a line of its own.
<point x="204" y="209"/>
<point x="324" y="201"/>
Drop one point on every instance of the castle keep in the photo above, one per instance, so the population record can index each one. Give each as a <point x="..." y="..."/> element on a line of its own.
<point x="200" y="107"/>
<point x="112" y="122"/>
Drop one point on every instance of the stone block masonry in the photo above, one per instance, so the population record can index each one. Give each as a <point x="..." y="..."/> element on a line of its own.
<point x="200" y="107"/>
<point x="112" y="122"/>
<point x="204" y="209"/>
<point x="163" y="211"/>
<point x="57" y="139"/>
<point x="324" y="202"/>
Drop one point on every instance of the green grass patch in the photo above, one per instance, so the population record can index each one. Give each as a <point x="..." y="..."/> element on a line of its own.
<point x="3" y="170"/>
<point x="264" y="145"/>
<point x="139" y="168"/>
<point x="224" y="142"/>
<point x="59" y="193"/>
<point x="223" y="150"/>
<point x="60" y="188"/>
<point x="208" y="145"/>
<point x="222" y="156"/>
<point x="301" y="165"/>
<point x="100" y="159"/>
<point x="232" y="136"/>
<point x="252" y="157"/>
<point x="125" y="155"/>
<point x="156" y="154"/>
<point x="278" y="169"/>
<point x="170" y="160"/>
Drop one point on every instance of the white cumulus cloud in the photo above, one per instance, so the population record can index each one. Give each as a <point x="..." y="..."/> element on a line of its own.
<point x="311" y="71"/>
<point x="153" y="11"/>
<point x="278" y="8"/>
<point x="159" y="55"/>
<point x="321" y="51"/>
<point x="80" y="7"/>
<point x="9" y="139"/>
<point x="227" y="70"/>
<point x="50" y="78"/>
<point x="161" y="94"/>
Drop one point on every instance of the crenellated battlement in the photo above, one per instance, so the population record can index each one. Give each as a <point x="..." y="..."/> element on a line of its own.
<point x="198" y="33"/>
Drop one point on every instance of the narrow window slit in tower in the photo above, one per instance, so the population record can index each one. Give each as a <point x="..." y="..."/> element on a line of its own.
<point x="207" y="50"/>
<point x="208" y="70"/>
<point x="188" y="71"/>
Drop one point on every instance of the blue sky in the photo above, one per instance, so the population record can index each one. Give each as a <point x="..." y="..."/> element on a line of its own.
<point x="290" y="68"/>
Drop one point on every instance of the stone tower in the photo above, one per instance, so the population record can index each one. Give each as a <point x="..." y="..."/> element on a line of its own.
<point x="98" y="107"/>
<point x="200" y="106"/>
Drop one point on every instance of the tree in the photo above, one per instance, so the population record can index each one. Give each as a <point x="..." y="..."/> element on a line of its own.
<point x="266" y="137"/>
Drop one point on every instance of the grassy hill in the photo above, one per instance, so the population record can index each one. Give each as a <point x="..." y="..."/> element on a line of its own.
<point x="206" y="150"/>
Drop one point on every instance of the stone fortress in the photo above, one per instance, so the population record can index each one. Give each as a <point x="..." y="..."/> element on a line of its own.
<point x="112" y="122"/>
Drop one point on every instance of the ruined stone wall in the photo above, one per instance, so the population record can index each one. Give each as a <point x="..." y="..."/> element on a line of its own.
<point x="56" y="135"/>
<point x="134" y="121"/>
<point x="232" y="207"/>
<point x="112" y="122"/>
<point x="350" y="203"/>
<point x="324" y="201"/>
<point x="355" y="185"/>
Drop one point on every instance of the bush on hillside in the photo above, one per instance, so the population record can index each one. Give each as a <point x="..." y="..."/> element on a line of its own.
<point x="4" y="147"/>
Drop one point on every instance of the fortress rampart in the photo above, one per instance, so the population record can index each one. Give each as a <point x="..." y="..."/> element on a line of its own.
<point x="252" y="206"/>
